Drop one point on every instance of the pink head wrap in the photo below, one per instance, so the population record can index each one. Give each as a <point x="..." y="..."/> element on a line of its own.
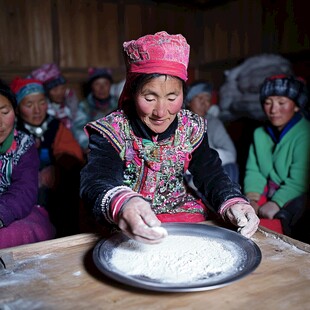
<point x="49" y="74"/>
<point x="159" y="53"/>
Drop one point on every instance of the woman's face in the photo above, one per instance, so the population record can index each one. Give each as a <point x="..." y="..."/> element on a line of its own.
<point x="7" y="118"/>
<point x="279" y="110"/>
<point x="159" y="101"/>
<point x="32" y="109"/>
<point x="200" y="104"/>
<point x="57" y="93"/>
<point x="101" y="88"/>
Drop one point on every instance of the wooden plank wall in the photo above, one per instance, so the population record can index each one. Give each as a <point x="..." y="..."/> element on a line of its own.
<point x="243" y="28"/>
<point x="77" y="34"/>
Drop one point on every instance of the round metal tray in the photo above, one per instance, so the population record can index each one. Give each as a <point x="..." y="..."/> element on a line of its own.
<point x="248" y="260"/>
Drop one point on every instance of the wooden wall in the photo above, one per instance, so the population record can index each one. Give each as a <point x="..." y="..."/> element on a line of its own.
<point x="243" y="28"/>
<point x="77" y="34"/>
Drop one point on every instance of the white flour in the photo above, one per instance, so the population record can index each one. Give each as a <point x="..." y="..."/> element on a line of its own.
<point x="178" y="259"/>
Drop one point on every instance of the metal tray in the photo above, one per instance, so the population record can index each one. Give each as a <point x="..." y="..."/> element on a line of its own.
<point x="248" y="260"/>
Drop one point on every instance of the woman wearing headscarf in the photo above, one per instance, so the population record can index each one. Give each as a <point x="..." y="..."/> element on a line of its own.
<point x="98" y="103"/>
<point x="61" y="157"/>
<point x="277" y="170"/>
<point x="62" y="100"/>
<point x="22" y="221"/>
<point x="199" y="100"/>
<point x="144" y="157"/>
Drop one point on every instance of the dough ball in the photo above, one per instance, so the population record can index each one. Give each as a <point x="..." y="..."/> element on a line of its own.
<point x="160" y="230"/>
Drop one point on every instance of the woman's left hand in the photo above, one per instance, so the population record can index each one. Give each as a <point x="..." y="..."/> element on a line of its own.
<point x="268" y="210"/>
<point x="244" y="216"/>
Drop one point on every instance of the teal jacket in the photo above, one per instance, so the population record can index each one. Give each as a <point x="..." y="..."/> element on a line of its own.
<point x="286" y="163"/>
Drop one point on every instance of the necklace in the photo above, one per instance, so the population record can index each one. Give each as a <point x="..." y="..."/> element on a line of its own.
<point x="37" y="131"/>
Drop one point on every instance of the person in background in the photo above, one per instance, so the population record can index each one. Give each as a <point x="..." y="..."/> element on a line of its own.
<point x="98" y="103"/>
<point x="22" y="221"/>
<point x="139" y="154"/>
<point x="117" y="88"/>
<point x="198" y="100"/>
<point x="61" y="157"/>
<point x="277" y="170"/>
<point x="62" y="100"/>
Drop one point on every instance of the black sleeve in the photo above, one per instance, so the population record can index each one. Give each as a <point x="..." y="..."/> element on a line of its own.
<point x="103" y="171"/>
<point x="210" y="178"/>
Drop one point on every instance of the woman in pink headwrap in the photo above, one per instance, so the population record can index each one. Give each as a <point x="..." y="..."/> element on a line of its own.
<point x="62" y="100"/>
<point x="150" y="161"/>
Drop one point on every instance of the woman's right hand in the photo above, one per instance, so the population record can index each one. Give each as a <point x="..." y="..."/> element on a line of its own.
<point x="139" y="222"/>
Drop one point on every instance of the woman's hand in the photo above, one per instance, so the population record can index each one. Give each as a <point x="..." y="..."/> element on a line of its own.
<point x="244" y="216"/>
<point x="139" y="222"/>
<point x="255" y="205"/>
<point x="268" y="210"/>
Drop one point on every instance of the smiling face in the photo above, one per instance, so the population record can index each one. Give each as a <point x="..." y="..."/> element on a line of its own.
<point x="7" y="118"/>
<point x="159" y="101"/>
<point x="279" y="110"/>
<point x="32" y="109"/>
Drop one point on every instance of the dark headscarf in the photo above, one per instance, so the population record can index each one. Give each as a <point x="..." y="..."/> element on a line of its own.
<point x="7" y="92"/>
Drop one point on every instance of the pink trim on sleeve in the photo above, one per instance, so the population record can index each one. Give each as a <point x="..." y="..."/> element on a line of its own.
<point x="228" y="203"/>
<point x="118" y="202"/>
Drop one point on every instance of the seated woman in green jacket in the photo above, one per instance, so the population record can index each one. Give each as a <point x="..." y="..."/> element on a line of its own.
<point x="277" y="170"/>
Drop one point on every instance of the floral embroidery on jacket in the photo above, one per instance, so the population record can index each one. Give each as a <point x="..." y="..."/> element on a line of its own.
<point x="20" y="145"/>
<point x="156" y="169"/>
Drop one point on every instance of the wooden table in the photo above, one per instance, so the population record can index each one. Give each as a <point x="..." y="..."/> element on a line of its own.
<point x="60" y="274"/>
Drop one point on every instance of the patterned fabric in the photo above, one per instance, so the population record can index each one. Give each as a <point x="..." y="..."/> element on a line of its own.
<point x="24" y="87"/>
<point x="158" y="53"/>
<point x="53" y="83"/>
<point x="288" y="86"/>
<point x="90" y="110"/>
<point x="61" y="112"/>
<point x="96" y="73"/>
<point x="20" y="145"/>
<point x="156" y="169"/>
<point x="46" y="72"/>
<point x="66" y="111"/>
<point x="24" y="221"/>
<point x="49" y="75"/>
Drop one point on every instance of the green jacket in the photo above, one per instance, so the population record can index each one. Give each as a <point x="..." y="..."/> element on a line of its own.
<point x="286" y="163"/>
